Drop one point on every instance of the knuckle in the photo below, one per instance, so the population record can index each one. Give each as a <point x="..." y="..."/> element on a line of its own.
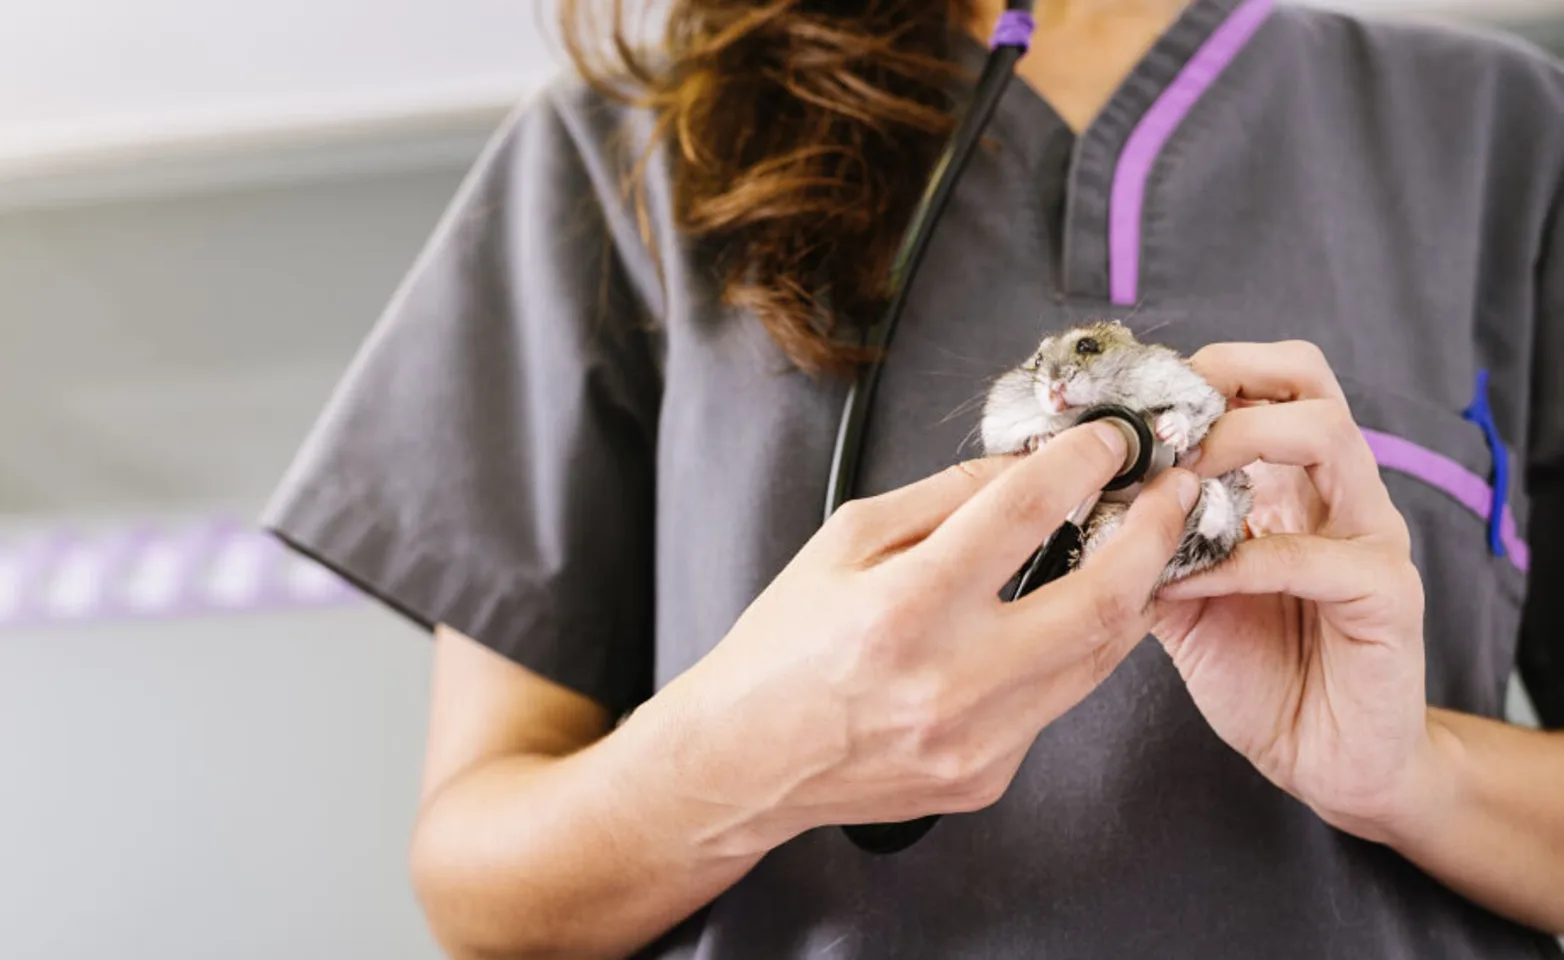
<point x="1213" y="356"/>
<point x="1306" y="352"/>
<point x="929" y="718"/>
<point x="856" y="521"/>
<point x="882" y="629"/>
<point x="952" y="771"/>
<point x="983" y="792"/>
<point x="1341" y="427"/>
<point x="1319" y="376"/>
<point x="1112" y="613"/>
<point x="1286" y="552"/>
<point x="1105" y="659"/>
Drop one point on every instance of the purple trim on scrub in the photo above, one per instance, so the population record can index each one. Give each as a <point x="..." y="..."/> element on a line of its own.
<point x="1439" y="471"/>
<point x="1145" y="144"/>
<point x="1014" y="29"/>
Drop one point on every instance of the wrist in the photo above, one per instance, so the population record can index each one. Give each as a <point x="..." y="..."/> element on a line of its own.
<point x="1433" y="793"/>
<point x="677" y="765"/>
<point x="1420" y="799"/>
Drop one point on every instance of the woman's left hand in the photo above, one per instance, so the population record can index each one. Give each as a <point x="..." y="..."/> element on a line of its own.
<point x="1305" y="650"/>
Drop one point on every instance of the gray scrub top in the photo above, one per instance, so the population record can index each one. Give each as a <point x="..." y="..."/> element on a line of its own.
<point x="573" y="453"/>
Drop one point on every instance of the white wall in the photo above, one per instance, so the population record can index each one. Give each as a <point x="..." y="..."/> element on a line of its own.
<point x="212" y="789"/>
<point x="79" y="72"/>
<point x="216" y="786"/>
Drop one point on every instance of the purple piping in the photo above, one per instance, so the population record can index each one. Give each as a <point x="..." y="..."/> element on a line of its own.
<point x="1014" y="29"/>
<point x="1438" y="470"/>
<point x="1145" y="144"/>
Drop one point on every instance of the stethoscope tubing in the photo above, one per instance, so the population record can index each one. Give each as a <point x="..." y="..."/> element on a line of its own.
<point x="1009" y="45"/>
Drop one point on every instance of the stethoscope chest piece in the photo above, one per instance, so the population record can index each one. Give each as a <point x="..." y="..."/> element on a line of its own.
<point x="1146" y="458"/>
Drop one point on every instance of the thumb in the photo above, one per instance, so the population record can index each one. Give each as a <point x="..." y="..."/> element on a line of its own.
<point x="1106" y="603"/>
<point x="1124" y="570"/>
<point x="1139" y="550"/>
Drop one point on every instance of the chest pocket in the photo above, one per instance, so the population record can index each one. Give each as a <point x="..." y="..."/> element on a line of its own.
<point x="1438" y="466"/>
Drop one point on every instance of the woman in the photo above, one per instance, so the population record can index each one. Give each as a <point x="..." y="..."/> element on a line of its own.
<point x="588" y="445"/>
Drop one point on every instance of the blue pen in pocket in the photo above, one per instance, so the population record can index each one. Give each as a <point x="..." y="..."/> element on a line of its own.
<point x="1481" y="413"/>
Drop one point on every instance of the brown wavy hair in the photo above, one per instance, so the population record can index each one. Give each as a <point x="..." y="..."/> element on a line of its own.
<point x="800" y="135"/>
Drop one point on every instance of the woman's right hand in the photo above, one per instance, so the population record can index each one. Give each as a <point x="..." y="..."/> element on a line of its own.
<point x="880" y="677"/>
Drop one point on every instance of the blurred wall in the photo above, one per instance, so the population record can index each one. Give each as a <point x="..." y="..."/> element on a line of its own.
<point x="197" y="788"/>
<point x="214" y="785"/>
<point x="83" y="73"/>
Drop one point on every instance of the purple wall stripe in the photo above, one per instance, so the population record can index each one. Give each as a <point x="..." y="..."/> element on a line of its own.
<point x="1128" y="200"/>
<point x="212" y="566"/>
<point x="224" y="566"/>
<point x="1438" y="470"/>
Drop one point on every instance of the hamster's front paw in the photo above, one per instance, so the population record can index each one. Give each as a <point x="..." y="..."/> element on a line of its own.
<point x="1174" y="428"/>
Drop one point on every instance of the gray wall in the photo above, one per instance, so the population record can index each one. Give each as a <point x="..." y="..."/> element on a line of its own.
<point x="241" y="786"/>
<point x="190" y="789"/>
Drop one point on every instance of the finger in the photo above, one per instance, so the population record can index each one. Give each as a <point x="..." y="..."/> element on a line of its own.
<point x="1321" y="569"/>
<point x="1094" y="610"/>
<point x="987" y="538"/>
<point x="870" y="527"/>
<point x="1317" y="435"/>
<point x="1277" y="372"/>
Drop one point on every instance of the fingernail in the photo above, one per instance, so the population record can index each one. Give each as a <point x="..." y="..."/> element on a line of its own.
<point x="1188" y="490"/>
<point x="1112" y="436"/>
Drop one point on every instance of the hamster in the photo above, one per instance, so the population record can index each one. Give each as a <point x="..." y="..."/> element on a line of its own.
<point x="1100" y="363"/>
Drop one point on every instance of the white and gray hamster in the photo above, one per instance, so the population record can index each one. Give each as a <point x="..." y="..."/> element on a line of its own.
<point x="1103" y="363"/>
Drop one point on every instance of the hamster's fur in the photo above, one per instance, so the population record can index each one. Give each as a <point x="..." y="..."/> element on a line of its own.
<point x="1102" y="363"/>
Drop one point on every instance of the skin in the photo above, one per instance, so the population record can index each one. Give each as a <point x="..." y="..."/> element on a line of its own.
<point x="545" y="831"/>
<point x="1083" y="49"/>
<point x="1305" y="652"/>
<point x="880" y="669"/>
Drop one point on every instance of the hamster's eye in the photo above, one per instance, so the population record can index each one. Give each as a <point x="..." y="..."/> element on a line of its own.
<point x="1087" y="346"/>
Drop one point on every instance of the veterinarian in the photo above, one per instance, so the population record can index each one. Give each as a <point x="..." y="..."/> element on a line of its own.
<point x="588" y="444"/>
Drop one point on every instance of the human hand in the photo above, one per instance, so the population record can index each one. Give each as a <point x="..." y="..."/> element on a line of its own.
<point x="1305" y="650"/>
<point x="880" y="677"/>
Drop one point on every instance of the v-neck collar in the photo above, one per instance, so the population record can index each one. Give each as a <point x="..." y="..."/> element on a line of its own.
<point x="1097" y="238"/>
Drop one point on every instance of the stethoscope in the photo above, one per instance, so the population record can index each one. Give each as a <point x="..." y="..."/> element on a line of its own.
<point x="1052" y="560"/>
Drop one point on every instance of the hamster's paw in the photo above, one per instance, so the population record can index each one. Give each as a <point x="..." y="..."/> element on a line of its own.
<point x="1174" y="428"/>
<point x="1217" y="525"/>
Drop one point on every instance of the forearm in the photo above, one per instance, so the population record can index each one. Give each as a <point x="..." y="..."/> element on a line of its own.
<point x="1490" y="823"/>
<point x="592" y="855"/>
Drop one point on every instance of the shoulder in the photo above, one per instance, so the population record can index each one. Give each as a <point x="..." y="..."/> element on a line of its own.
<point x="569" y="124"/>
<point x="1442" y="54"/>
<point x="1455" y="105"/>
<point x="565" y="163"/>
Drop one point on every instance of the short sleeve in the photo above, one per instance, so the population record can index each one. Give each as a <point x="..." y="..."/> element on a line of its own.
<point x="1541" y="652"/>
<point x="487" y="461"/>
